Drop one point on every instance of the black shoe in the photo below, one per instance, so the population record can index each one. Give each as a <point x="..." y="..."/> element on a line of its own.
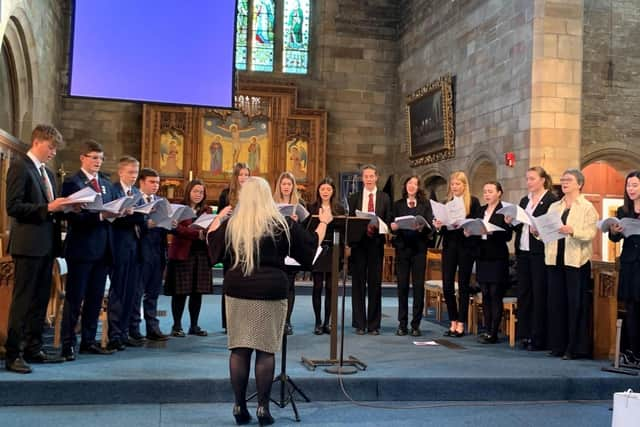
<point x="416" y="332"/>
<point x="157" y="336"/>
<point x="374" y="332"/>
<point x="554" y="354"/>
<point x="137" y="336"/>
<point x="264" y="417"/>
<point x="568" y="356"/>
<point x="241" y="415"/>
<point x="457" y="334"/>
<point x="179" y="332"/>
<point x="401" y="331"/>
<point x="288" y="329"/>
<point x="18" y="365"/>
<point x="197" y="330"/>
<point x="448" y="333"/>
<point x="42" y="357"/>
<point x="360" y="331"/>
<point x="96" y="349"/>
<point x="524" y="343"/>
<point x="317" y="330"/>
<point x="133" y="342"/>
<point x="68" y="353"/>
<point x="116" y="345"/>
<point x="489" y="339"/>
<point x="326" y="329"/>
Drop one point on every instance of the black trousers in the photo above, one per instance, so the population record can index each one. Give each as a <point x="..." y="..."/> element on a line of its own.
<point x="84" y="292"/>
<point x="147" y="293"/>
<point x="492" y="294"/>
<point x="366" y="282"/>
<point x="569" y="309"/>
<point x="410" y="262"/>
<point x="321" y="280"/>
<point x="32" y="287"/>
<point x="125" y="276"/>
<point x="532" y="298"/>
<point x="632" y="325"/>
<point x="291" y="294"/>
<point x="457" y="257"/>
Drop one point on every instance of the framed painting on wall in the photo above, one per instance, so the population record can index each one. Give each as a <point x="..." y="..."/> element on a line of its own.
<point x="171" y="153"/>
<point x="430" y="128"/>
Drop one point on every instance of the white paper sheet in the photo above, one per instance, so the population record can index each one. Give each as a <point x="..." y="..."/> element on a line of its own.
<point x="451" y="213"/>
<point x="548" y="226"/>
<point x="479" y="227"/>
<point x="519" y="215"/>
<point x="410" y="222"/>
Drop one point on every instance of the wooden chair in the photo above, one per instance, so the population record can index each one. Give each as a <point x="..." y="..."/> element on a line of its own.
<point x="104" y="316"/>
<point x="389" y="263"/>
<point x="509" y="319"/>
<point x="56" y="299"/>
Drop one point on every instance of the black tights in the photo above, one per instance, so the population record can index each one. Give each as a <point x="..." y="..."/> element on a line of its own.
<point x="177" y="309"/>
<point x="239" y="368"/>
<point x="316" y="297"/>
<point x="632" y="325"/>
<point x="492" y="307"/>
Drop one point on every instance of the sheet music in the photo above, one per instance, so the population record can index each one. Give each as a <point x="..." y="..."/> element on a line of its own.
<point x="548" y="225"/>
<point x="630" y="226"/>
<point x="292" y="262"/>
<point x="203" y="221"/>
<point x="451" y="213"/>
<point x="479" y="227"/>
<point x="167" y="213"/>
<point x="374" y="220"/>
<point x="410" y="222"/>
<point x="82" y="196"/>
<point x="519" y="215"/>
<point x="289" y="210"/>
<point x="147" y="207"/>
<point x="119" y="205"/>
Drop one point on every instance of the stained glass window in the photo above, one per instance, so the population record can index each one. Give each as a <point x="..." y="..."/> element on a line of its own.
<point x="263" y="35"/>
<point x="242" y="25"/>
<point x="296" y="36"/>
<point x="264" y="26"/>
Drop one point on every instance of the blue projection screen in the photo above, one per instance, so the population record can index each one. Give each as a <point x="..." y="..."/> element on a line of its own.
<point x="164" y="51"/>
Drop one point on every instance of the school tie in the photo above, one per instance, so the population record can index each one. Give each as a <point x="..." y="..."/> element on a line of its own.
<point x="47" y="184"/>
<point x="147" y="198"/>
<point x="370" y="207"/>
<point x="129" y="193"/>
<point x="95" y="185"/>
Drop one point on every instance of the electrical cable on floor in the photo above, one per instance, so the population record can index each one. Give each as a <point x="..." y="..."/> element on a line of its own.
<point x="463" y="403"/>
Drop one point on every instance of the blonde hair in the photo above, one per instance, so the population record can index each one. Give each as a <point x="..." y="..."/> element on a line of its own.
<point x="466" y="194"/>
<point x="277" y="194"/>
<point x="256" y="216"/>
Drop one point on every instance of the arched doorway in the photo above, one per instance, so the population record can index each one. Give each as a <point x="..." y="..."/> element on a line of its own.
<point x="482" y="171"/>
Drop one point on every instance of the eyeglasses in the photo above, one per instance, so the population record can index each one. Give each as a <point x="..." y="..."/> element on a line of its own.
<point x="93" y="157"/>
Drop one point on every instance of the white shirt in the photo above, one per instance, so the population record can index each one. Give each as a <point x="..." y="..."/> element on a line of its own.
<point x="524" y="237"/>
<point x="89" y="176"/>
<point x="487" y="217"/>
<point x="126" y="188"/>
<point x="365" y="199"/>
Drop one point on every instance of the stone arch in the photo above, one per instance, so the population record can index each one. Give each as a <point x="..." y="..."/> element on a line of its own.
<point x="434" y="181"/>
<point x="482" y="168"/>
<point x="621" y="159"/>
<point x="19" y="42"/>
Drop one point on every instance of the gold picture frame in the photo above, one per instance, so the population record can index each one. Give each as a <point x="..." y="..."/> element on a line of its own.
<point x="430" y="123"/>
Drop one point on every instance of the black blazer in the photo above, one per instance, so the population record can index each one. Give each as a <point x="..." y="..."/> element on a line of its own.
<point x="34" y="230"/>
<point x="125" y="236"/>
<point x="631" y="245"/>
<point x="410" y="238"/>
<point x="452" y="239"/>
<point x="88" y="238"/>
<point x="495" y="246"/>
<point x="535" y="246"/>
<point x="383" y="209"/>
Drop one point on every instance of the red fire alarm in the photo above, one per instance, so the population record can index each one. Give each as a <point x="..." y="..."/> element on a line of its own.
<point x="510" y="159"/>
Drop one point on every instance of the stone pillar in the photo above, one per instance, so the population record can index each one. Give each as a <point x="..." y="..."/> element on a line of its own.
<point x="556" y="94"/>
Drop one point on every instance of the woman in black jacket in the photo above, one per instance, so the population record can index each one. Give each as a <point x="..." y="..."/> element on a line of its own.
<point x="492" y="262"/>
<point x="411" y="250"/>
<point x="629" y="279"/>
<point x="457" y="255"/>
<point x="531" y="269"/>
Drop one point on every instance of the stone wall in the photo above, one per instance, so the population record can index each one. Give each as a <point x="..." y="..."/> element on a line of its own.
<point x="611" y="93"/>
<point x="487" y="45"/>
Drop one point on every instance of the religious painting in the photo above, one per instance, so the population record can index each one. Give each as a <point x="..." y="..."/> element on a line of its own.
<point x="231" y="139"/>
<point x="263" y="35"/>
<point x="171" y="153"/>
<point x="430" y="129"/>
<point x="297" y="149"/>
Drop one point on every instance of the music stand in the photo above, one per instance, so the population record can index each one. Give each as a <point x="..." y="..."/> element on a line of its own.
<point x="346" y="229"/>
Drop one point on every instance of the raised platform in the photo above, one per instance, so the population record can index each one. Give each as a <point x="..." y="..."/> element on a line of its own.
<point x="195" y="369"/>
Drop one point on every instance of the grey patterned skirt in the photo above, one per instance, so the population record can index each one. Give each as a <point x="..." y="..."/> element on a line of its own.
<point x="256" y="324"/>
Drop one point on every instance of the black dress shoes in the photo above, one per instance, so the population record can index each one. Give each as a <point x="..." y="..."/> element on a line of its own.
<point x="241" y="414"/>
<point x="488" y="339"/>
<point x="264" y="416"/>
<point x="42" y="357"/>
<point x="68" y="354"/>
<point x="198" y="331"/>
<point x="326" y="329"/>
<point x="116" y="345"/>
<point x="374" y="332"/>
<point x="18" y="365"/>
<point x="401" y="332"/>
<point x="96" y="349"/>
<point x="360" y="331"/>
<point x="317" y="330"/>
<point x="416" y="332"/>
<point x="135" y="341"/>
<point x="449" y="333"/>
<point x="157" y="336"/>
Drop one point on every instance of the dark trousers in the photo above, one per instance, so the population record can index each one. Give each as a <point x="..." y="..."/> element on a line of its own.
<point x="532" y="298"/>
<point x="84" y="291"/>
<point x="32" y="287"/>
<point x="291" y="294"/>
<point x="321" y="280"/>
<point x="461" y="259"/>
<point x="632" y="325"/>
<point x="492" y="294"/>
<point x="367" y="282"/>
<point x="124" y="282"/>
<point x="147" y="293"/>
<point x="568" y="309"/>
<point x="410" y="262"/>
